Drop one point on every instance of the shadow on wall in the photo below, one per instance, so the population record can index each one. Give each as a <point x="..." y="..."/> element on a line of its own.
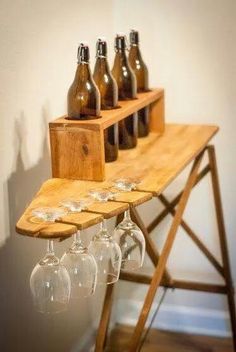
<point x="22" y="328"/>
<point x="16" y="261"/>
<point x="23" y="184"/>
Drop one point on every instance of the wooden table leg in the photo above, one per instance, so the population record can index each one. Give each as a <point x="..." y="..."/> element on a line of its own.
<point x="158" y="273"/>
<point x="223" y="240"/>
<point x="106" y="311"/>
<point x="105" y="318"/>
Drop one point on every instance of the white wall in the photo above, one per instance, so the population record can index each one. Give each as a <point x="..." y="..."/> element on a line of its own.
<point x="189" y="49"/>
<point x="38" y="41"/>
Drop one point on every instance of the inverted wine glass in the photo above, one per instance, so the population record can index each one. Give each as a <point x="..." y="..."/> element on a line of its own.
<point x="80" y="264"/>
<point x="128" y="235"/>
<point x="49" y="281"/>
<point x="82" y="268"/>
<point x="107" y="254"/>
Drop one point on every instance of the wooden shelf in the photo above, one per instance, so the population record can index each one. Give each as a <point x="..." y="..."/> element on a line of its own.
<point x="157" y="161"/>
<point x="109" y="117"/>
<point x="77" y="146"/>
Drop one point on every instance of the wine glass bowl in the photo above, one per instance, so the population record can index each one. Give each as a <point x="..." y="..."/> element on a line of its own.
<point x="82" y="269"/>
<point x="132" y="243"/>
<point x="107" y="254"/>
<point x="50" y="284"/>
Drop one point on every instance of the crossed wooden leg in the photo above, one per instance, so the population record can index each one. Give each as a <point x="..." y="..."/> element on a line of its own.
<point x="161" y="277"/>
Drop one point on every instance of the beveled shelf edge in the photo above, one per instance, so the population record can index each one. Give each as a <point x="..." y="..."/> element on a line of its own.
<point x="109" y="117"/>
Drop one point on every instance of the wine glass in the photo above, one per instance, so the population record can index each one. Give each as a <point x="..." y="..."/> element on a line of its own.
<point x="128" y="235"/>
<point x="80" y="264"/>
<point x="82" y="268"/>
<point x="50" y="283"/>
<point x="107" y="254"/>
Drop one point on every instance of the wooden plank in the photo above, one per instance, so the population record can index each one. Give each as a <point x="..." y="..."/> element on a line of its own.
<point x="134" y="198"/>
<point x="166" y="341"/>
<point x="27" y="227"/>
<point x="108" y="209"/>
<point x="82" y="220"/>
<point x="77" y="153"/>
<point x="157" y="160"/>
<point x="157" y="115"/>
<point x="109" y="117"/>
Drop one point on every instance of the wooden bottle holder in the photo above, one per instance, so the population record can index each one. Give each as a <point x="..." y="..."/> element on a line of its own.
<point x="77" y="146"/>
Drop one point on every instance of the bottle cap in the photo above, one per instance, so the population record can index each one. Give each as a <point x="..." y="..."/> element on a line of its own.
<point x="134" y="37"/>
<point x="120" y="42"/>
<point x="101" y="50"/>
<point x="83" y="52"/>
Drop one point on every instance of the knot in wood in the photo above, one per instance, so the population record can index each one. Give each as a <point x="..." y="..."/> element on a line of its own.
<point x="85" y="149"/>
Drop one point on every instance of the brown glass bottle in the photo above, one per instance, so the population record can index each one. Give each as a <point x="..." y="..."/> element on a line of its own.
<point x="109" y="98"/>
<point x="83" y="99"/>
<point x="141" y="73"/>
<point x="127" y="89"/>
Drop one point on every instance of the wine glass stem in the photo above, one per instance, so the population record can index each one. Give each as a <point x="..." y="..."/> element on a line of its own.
<point x="77" y="237"/>
<point x="127" y="215"/>
<point x="104" y="224"/>
<point x="50" y="247"/>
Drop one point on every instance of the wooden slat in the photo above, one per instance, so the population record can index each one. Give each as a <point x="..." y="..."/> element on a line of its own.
<point x="109" y="117"/>
<point x="53" y="191"/>
<point x="26" y="227"/>
<point x="108" y="209"/>
<point x="157" y="160"/>
<point x="134" y="198"/>
<point x="82" y="220"/>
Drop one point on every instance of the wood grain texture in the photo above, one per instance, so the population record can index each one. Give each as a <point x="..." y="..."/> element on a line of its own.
<point x="53" y="191"/>
<point x="77" y="146"/>
<point x="166" y="341"/>
<point x="157" y="160"/>
<point x="157" y="115"/>
<point x="77" y="153"/>
<point x="109" y="117"/>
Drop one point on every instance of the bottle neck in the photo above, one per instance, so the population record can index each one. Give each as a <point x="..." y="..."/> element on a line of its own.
<point x="101" y="64"/>
<point x="83" y="72"/>
<point x="135" y="52"/>
<point x="121" y="58"/>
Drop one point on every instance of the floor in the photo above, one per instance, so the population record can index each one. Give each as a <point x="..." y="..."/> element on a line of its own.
<point x="164" y="341"/>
